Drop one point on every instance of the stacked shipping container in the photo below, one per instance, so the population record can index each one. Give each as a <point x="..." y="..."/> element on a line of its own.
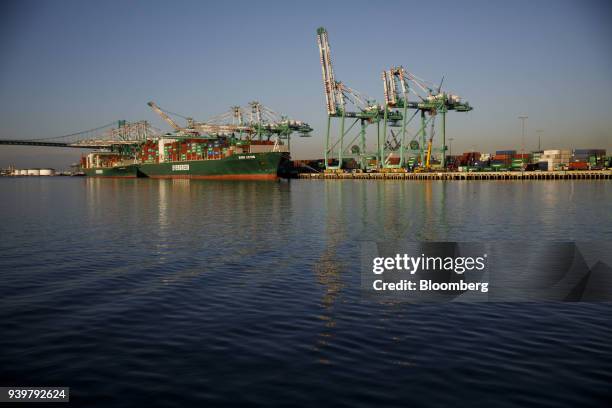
<point x="555" y="159"/>
<point x="502" y="160"/>
<point x="196" y="149"/>
<point x="149" y="152"/>
<point x="584" y="159"/>
<point x="199" y="149"/>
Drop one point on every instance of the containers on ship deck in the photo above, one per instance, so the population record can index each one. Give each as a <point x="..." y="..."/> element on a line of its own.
<point x="194" y="149"/>
<point x="149" y="152"/>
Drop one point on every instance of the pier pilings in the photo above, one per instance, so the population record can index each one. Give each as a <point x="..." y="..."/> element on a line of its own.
<point x="508" y="175"/>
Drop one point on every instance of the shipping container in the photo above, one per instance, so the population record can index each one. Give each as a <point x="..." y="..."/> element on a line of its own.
<point x="578" y="166"/>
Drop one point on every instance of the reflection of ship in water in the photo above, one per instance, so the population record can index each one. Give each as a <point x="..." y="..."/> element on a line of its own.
<point x="328" y="270"/>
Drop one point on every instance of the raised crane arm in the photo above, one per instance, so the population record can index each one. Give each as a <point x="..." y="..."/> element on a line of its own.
<point x="163" y="115"/>
<point x="333" y="96"/>
<point x="395" y="86"/>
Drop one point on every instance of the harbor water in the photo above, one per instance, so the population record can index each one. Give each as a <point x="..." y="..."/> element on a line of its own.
<point x="204" y="293"/>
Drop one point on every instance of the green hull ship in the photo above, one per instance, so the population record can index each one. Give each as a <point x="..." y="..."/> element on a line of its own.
<point x="130" y="171"/>
<point x="248" y="166"/>
<point x="109" y="164"/>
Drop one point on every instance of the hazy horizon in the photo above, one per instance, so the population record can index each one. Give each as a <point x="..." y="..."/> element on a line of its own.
<point x="75" y="65"/>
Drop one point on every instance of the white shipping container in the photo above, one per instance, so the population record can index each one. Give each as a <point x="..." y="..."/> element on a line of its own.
<point x="557" y="151"/>
<point x="556" y="156"/>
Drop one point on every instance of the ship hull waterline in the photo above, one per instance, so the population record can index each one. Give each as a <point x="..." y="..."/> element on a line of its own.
<point x="130" y="171"/>
<point x="248" y="166"/>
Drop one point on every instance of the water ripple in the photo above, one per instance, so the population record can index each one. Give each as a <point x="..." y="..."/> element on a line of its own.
<point x="156" y="293"/>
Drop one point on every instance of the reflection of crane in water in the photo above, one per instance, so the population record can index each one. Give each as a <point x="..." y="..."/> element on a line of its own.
<point x="328" y="269"/>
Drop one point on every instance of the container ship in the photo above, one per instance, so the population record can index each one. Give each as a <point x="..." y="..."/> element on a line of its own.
<point x="193" y="158"/>
<point x="109" y="164"/>
<point x="220" y="158"/>
<point x="225" y="147"/>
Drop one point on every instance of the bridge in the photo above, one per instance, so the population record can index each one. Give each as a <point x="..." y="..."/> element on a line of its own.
<point x="115" y="133"/>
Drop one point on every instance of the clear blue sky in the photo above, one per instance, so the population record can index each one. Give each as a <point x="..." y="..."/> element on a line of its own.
<point x="73" y="65"/>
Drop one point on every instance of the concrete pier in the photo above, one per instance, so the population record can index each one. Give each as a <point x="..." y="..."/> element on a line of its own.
<point x="509" y="175"/>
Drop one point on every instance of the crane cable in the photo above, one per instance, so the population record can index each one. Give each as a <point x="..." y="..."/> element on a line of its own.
<point x="76" y="133"/>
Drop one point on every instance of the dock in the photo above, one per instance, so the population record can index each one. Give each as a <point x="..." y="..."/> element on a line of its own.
<point x="507" y="175"/>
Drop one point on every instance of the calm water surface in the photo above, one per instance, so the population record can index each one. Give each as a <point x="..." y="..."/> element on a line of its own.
<point x="178" y="293"/>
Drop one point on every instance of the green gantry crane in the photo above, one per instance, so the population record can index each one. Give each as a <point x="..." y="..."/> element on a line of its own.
<point x="262" y="123"/>
<point x="398" y="84"/>
<point x="366" y="111"/>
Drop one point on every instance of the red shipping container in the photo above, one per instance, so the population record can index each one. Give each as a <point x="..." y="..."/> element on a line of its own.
<point x="578" y="166"/>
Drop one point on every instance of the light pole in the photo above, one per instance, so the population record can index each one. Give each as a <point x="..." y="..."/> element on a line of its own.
<point x="539" y="132"/>
<point x="523" y="118"/>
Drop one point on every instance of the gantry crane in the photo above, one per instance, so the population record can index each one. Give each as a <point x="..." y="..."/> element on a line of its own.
<point x="397" y="87"/>
<point x="164" y="116"/>
<point x="367" y="111"/>
<point x="263" y="123"/>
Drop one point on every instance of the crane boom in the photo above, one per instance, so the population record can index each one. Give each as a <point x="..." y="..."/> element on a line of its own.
<point x="395" y="85"/>
<point x="332" y="97"/>
<point x="163" y="115"/>
<point x="221" y="129"/>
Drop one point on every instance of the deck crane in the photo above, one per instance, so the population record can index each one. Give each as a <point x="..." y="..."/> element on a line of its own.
<point x="337" y="94"/>
<point x="398" y="84"/>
